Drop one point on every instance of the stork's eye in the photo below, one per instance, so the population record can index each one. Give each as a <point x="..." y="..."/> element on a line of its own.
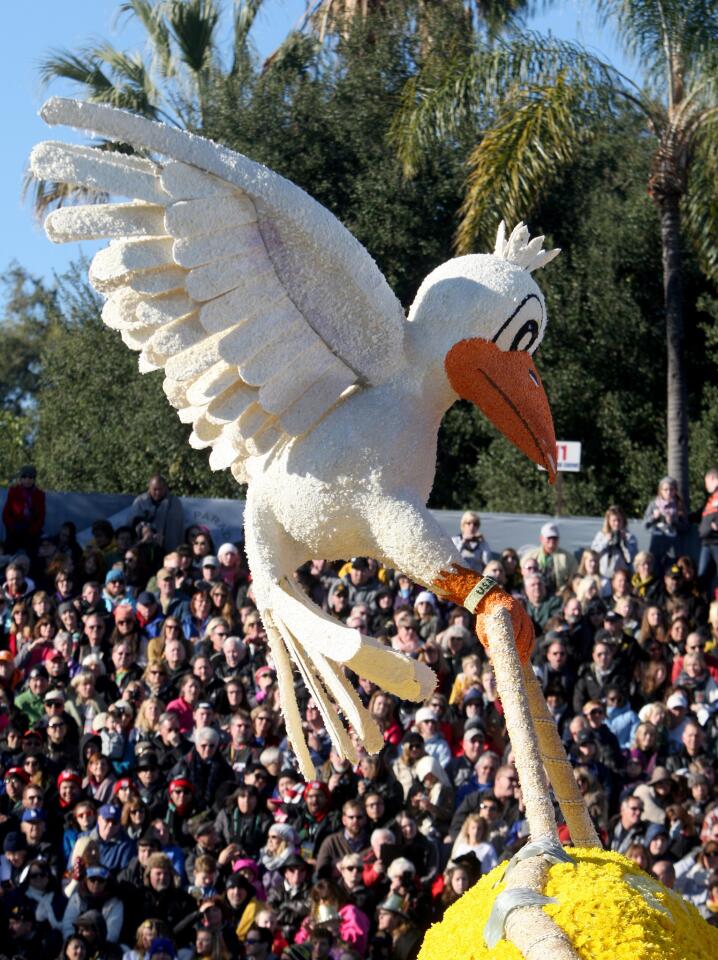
<point x="523" y="328"/>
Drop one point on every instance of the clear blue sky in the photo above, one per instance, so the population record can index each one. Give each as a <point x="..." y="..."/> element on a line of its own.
<point x="34" y="28"/>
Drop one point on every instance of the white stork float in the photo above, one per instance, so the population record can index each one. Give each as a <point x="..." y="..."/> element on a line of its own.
<point x="284" y="347"/>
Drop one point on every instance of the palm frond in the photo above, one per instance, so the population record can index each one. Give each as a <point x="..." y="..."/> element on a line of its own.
<point x="132" y="86"/>
<point x="700" y="203"/>
<point x="245" y="14"/>
<point x="192" y="25"/>
<point x="450" y="93"/>
<point x="81" y="68"/>
<point x="533" y="138"/>
<point x="669" y="38"/>
<point x="151" y="16"/>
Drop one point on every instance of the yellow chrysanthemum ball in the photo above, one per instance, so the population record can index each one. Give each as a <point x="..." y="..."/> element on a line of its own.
<point x="608" y="907"/>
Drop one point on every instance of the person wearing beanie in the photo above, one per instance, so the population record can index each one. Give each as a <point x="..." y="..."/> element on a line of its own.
<point x="160" y="897"/>
<point x="162" y="948"/>
<point x="230" y="564"/>
<point x="14" y="858"/>
<point x="291" y="900"/>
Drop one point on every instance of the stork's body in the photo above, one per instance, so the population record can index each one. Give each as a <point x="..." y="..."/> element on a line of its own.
<point x="284" y="346"/>
<point x="367" y="471"/>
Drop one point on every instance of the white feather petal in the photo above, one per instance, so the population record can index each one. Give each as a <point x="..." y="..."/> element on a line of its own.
<point x="241" y="305"/>
<point x="320" y="397"/>
<point x="165" y="309"/>
<point x="248" y="338"/>
<point x="189" y="364"/>
<point x="94" y="221"/>
<point x="166" y="279"/>
<point x="205" y="430"/>
<point x="189" y="414"/>
<point x="176" y="393"/>
<point x="102" y="170"/>
<point x="120" y="310"/>
<point x="195" y="251"/>
<point x="122" y="257"/>
<point x="212" y="383"/>
<point x="263" y="440"/>
<point x="277" y="354"/>
<point x="189" y="217"/>
<point x="136" y="337"/>
<point x="183" y="182"/>
<point x="281" y="391"/>
<point x="221" y="276"/>
<point x="231" y="404"/>
<point x="175" y="337"/>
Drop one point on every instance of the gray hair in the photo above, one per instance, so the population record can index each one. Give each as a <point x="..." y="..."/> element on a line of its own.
<point x="381" y="833"/>
<point x="95" y="660"/>
<point x="206" y="735"/>
<point x="235" y="642"/>
<point x="270" y="755"/>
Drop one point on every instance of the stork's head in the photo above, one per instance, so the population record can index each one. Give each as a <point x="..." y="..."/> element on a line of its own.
<point x="485" y="316"/>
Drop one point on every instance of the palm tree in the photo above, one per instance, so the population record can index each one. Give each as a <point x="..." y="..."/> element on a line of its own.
<point x="326" y="17"/>
<point x="172" y="80"/>
<point x="544" y="99"/>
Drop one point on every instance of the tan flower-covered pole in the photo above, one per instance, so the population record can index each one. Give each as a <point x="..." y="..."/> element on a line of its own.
<point x="529" y="928"/>
<point x="558" y="767"/>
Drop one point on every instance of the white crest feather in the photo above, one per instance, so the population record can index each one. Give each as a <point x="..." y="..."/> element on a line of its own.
<point x="522" y="251"/>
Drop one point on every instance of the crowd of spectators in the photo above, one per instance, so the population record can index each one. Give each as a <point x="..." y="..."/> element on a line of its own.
<point x="151" y="805"/>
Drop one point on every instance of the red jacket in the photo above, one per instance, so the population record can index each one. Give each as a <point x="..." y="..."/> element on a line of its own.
<point x="24" y="511"/>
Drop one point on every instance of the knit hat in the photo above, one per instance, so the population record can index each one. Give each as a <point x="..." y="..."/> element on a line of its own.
<point x="425" y="713"/>
<point x="162" y="945"/>
<point x="14" y="842"/>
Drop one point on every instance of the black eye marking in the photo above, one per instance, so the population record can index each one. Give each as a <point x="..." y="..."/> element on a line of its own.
<point x="526" y="337"/>
<point x="528" y="333"/>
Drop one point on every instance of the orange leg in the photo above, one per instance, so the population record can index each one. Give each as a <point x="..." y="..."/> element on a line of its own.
<point x="457" y="583"/>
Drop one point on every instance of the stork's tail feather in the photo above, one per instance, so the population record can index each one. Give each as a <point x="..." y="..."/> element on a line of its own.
<point x="320" y="647"/>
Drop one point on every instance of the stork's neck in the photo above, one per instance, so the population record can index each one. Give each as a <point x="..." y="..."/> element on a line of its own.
<point x="425" y="353"/>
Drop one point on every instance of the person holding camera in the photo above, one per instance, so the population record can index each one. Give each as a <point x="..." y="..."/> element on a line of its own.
<point x="615" y="546"/>
<point x="475" y="551"/>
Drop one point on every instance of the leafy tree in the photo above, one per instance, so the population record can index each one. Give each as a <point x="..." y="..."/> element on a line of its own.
<point x="28" y="308"/>
<point x="321" y="115"/>
<point x="14" y="445"/>
<point x="534" y="103"/>
<point x="100" y="424"/>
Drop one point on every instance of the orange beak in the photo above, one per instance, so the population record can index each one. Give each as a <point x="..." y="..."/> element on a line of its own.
<point x="506" y="387"/>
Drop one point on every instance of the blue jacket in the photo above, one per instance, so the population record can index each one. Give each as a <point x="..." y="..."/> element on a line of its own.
<point x="622" y="721"/>
<point x="116" y="854"/>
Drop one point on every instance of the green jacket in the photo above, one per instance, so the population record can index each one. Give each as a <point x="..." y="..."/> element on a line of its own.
<point x="31" y="705"/>
<point x="564" y="565"/>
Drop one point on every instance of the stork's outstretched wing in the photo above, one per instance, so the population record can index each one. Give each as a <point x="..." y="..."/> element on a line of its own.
<point x="263" y="310"/>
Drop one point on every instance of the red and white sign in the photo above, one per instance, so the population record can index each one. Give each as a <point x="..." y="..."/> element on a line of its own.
<point x="568" y="456"/>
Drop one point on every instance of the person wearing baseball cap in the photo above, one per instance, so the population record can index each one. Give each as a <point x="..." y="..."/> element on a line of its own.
<point x="31" y="700"/>
<point x="25" y="935"/>
<point x="116" y="849"/>
<point x="33" y="824"/>
<point x="427" y="723"/>
<point x="556" y="566"/>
